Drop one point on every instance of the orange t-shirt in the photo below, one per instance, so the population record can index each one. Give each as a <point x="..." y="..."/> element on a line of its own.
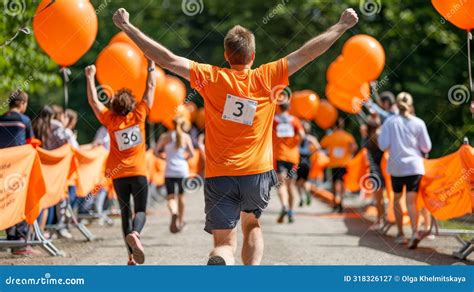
<point x="127" y="142"/>
<point x="286" y="138"/>
<point x="238" y="116"/>
<point x="338" y="145"/>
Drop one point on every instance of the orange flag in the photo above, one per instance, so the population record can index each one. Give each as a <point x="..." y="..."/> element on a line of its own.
<point x="357" y="168"/>
<point x="446" y="188"/>
<point x="90" y="170"/>
<point x="21" y="185"/>
<point x="57" y="165"/>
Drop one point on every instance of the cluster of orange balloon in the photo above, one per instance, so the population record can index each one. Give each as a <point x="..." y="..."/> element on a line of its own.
<point x="122" y="65"/>
<point x="65" y="30"/>
<point x="348" y="77"/>
<point x="326" y="115"/>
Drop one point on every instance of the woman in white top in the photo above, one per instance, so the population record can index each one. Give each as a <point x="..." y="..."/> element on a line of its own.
<point x="407" y="139"/>
<point x="176" y="148"/>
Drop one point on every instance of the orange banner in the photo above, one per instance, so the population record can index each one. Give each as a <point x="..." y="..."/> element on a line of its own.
<point x="21" y="185"/>
<point x="357" y="168"/>
<point x="446" y="188"/>
<point x="57" y="165"/>
<point x="90" y="169"/>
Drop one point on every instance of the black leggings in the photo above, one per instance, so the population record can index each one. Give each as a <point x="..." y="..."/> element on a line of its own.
<point x="137" y="186"/>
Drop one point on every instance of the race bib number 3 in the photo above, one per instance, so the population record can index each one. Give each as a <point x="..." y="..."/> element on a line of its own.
<point x="128" y="138"/>
<point x="239" y="110"/>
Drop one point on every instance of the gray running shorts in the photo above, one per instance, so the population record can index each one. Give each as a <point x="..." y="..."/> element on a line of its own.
<point x="227" y="196"/>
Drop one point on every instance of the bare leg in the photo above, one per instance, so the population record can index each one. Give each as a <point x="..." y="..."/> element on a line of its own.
<point x="426" y="219"/>
<point x="225" y="244"/>
<point x="172" y="205"/>
<point x="398" y="212"/>
<point x="379" y="204"/>
<point x="283" y="192"/>
<point x="252" y="249"/>
<point x="412" y="211"/>
<point x="291" y="194"/>
<point x="181" y="208"/>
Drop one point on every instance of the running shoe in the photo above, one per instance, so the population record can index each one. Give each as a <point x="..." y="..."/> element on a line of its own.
<point x="137" y="248"/>
<point x="131" y="262"/>
<point x="291" y="218"/>
<point x="401" y="239"/>
<point x="301" y="204"/>
<point x="174" y="224"/>
<point x="308" y="198"/>
<point x="25" y="251"/>
<point x="281" y="218"/>
<point x="64" y="233"/>
<point x="414" y="241"/>
<point x="216" y="261"/>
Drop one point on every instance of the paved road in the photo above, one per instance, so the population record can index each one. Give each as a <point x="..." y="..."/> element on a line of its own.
<point x="316" y="238"/>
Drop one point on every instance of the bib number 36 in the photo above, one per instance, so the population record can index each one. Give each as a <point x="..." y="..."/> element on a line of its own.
<point x="239" y="110"/>
<point x="128" y="138"/>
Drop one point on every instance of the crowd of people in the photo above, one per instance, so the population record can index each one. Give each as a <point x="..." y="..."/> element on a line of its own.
<point x="241" y="133"/>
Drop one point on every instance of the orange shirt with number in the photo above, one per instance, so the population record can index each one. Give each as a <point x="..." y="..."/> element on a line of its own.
<point x="127" y="142"/>
<point x="338" y="144"/>
<point x="239" y="113"/>
<point x="286" y="138"/>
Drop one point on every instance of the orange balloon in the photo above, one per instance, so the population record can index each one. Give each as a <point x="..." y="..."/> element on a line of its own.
<point x="304" y="104"/>
<point x="168" y="98"/>
<point x="326" y="115"/>
<point x="200" y="118"/>
<point x="193" y="110"/>
<point x="120" y="66"/>
<point x="339" y="75"/>
<point x="459" y="13"/>
<point x="181" y="111"/>
<point x="350" y="102"/>
<point x="65" y="30"/>
<point x="365" y="57"/>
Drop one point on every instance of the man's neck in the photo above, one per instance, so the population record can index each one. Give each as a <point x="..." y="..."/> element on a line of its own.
<point x="17" y="110"/>
<point x="241" y="67"/>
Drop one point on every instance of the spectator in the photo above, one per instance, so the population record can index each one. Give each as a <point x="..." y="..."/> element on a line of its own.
<point x="406" y="138"/>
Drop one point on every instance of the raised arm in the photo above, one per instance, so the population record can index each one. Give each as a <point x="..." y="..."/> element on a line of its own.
<point x="92" y="98"/>
<point x="149" y="95"/>
<point x="320" y="44"/>
<point x="152" y="49"/>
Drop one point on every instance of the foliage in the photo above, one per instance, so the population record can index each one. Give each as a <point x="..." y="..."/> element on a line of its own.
<point x="425" y="55"/>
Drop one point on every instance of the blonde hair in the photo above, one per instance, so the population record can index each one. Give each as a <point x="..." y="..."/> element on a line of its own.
<point x="239" y="44"/>
<point x="404" y="103"/>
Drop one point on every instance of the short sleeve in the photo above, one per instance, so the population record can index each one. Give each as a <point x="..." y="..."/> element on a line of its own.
<point x="142" y="110"/>
<point x="325" y="142"/>
<point x="105" y="116"/>
<point x="275" y="73"/>
<point x="200" y="74"/>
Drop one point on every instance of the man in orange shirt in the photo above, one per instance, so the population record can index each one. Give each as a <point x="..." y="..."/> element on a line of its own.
<point x="287" y="134"/>
<point x="125" y="122"/>
<point x="340" y="146"/>
<point x="239" y="112"/>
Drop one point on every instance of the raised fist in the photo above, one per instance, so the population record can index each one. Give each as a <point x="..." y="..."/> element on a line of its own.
<point x="349" y="18"/>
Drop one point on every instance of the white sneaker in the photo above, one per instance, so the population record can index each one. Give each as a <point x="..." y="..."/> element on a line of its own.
<point x="65" y="233"/>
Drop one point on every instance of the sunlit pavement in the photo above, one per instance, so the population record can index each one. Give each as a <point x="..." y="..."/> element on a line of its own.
<point x="317" y="237"/>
